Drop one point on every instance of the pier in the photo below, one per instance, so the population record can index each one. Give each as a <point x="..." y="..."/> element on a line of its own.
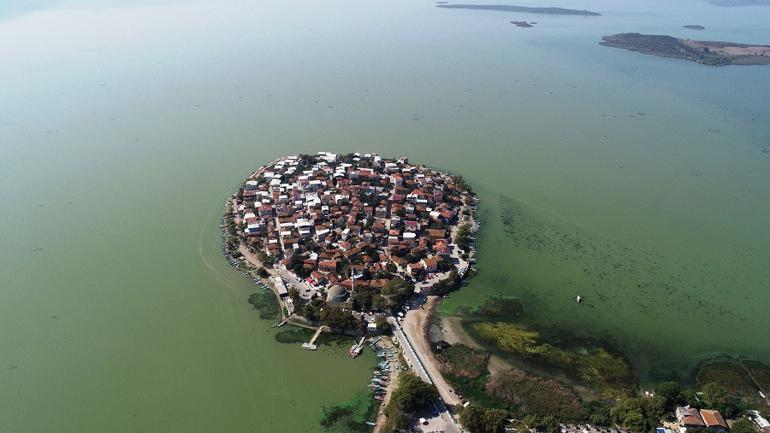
<point x="311" y="344"/>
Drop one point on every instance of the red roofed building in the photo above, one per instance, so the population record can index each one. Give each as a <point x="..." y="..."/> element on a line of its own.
<point x="430" y="264"/>
<point x="712" y="418"/>
<point x="327" y="265"/>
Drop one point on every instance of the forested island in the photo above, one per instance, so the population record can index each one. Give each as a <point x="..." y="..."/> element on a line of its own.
<point x="524" y="9"/>
<point x="714" y="53"/>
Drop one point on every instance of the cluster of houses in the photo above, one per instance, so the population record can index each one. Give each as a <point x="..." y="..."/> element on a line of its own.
<point x="690" y="417"/>
<point x="344" y="220"/>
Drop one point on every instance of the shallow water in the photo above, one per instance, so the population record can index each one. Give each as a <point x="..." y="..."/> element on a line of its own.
<point x="124" y="126"/>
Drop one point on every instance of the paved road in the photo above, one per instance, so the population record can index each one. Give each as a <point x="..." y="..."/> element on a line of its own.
<point x="416" y="364"/>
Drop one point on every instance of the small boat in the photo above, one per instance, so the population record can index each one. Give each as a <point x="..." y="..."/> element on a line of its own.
<point x="579" y="299"/>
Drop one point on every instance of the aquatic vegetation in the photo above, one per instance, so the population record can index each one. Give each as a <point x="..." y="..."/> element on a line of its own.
<point x="592" y="365"/>
<point x="264" y="302"/>
<point x="500" y="307"/>
<point x="350" y="416"/>
<point x="293" y="335"/>
<point x="510" y="338"/>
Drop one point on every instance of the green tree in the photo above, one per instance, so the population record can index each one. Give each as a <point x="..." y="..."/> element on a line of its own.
<point x="716" y="397"/>
<point x="481" y="420"/>
<point x="309" y="312"/>
<point x="545" y="424"/>
<point x="397" y="291"/>
<point x="295" y="298"/>
<point x="413" y="394"/>
<point x="742" y="426"/>
<point x="337" y="318"/>
<point x="382" y="323"/>
<point x="669" y="394"/>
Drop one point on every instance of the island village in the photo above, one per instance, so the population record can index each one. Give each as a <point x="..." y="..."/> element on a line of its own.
<point x="356" y="231"/>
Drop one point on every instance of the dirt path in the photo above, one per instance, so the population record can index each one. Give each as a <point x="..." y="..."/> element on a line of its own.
<point x="415" y="324"/>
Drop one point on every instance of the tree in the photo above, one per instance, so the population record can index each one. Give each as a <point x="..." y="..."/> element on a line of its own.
<point x="382" y="323"/>
<point x="379" y="303"/>
<point x="743" y="426"/>
<point x="546" y="424"/>
<point x="309" y="312"/>
<point x="716" y="397"/>
<point x="598" y="413"/>
<point x="632" y="414"/>
<point x="480" y="420"/>
<point x="397" y="291"/>
<point x="669" y="394"/>
<point x="336" y="318"/>
<point x="262" y="272"/>
<point x="413" y="394"/>
<point x="295" y="298"/>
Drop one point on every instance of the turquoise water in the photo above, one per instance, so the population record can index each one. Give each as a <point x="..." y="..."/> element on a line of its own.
<point x="125" y="125"/>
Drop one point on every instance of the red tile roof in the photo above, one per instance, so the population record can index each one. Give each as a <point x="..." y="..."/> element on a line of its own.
<point x="713" y="418"/>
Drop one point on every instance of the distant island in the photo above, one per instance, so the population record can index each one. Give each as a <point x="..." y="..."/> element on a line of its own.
<point x="522" y="24"/>
<point x="694" y="27"/>
<point x="525" y="9"/>
<point x="712" y="53"/>
<point x="739" y="3"/>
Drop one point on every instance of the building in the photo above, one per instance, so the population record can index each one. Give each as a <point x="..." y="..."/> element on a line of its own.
<point x="689" y="417"/>
<point x="713" y="419"/>
<point x="762" y="423"/>
<point x="280" y="287"/>
<point x="337" y="294"/>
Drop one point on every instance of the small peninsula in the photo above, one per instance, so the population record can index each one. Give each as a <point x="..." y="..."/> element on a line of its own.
<point x="712" y="53"/>
<point x="522" y="9"/>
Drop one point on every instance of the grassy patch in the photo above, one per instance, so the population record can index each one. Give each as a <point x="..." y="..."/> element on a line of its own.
<point x="475" y="390"/>
<point x="760" y="373"/>
<point x="534" y="395"/>
<point x="463" y="361"/>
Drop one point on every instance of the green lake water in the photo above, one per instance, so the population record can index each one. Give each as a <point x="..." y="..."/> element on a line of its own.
<point x="641" y="183"/>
